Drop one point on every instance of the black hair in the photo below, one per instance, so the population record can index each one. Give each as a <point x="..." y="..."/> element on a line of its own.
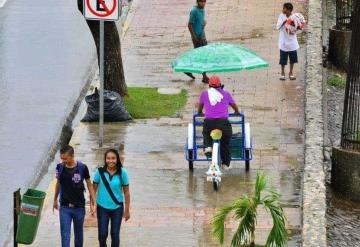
<point x="288" y="6"/>
<point x="221" y="86"/>
<point x="118" y="161"/>
<point x="67" y="149"/>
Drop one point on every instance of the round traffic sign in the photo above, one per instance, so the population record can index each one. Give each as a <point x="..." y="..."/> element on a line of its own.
<point x="105" y="13"/>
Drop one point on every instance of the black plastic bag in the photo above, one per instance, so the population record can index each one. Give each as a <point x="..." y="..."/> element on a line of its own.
<point x="114" y="108"/>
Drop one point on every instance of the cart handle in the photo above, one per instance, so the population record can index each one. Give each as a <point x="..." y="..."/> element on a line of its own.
<point x="241" y="114"/>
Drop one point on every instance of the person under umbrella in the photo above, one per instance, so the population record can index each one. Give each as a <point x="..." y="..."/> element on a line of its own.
<point x="216" y="102"/>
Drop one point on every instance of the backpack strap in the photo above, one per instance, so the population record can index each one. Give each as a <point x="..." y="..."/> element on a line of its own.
<point x="107" y="186"/>
<point x="81" y="168"/>
<point x="59" y="170"/>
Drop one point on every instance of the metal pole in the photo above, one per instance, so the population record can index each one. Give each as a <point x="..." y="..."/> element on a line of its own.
<point x="16" y="213"/>
<point x="101" y="91"/>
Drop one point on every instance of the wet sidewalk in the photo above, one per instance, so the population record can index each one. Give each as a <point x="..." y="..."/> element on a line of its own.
<point x="171" y="205"/>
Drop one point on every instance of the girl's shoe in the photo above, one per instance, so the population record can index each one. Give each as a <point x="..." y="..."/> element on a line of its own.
<point x="292" y="78"/>
<point x="282" y="78"/>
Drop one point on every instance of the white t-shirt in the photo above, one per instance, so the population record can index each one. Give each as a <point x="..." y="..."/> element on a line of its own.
<point x="287" y="42"/>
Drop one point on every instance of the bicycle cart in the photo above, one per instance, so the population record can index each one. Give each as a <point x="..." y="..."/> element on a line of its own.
<point x="240" y="146"/>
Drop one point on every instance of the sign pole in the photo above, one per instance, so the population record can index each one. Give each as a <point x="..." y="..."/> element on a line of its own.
<point x="16" y="213"/>
<point x="101" y="112"/>
<point x="101" y="10"/>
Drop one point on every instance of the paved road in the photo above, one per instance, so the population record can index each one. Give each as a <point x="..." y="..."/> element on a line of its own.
<point x="46" y="52"/>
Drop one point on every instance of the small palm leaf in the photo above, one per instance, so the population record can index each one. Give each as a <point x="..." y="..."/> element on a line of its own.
<point x="244" y="211"/>
<point x="260" y="185"/>
<point x="247" y="224"/>
<point x="246" y="214"/>
<point x="218" y="221"/>
<point x="278" y="235"/>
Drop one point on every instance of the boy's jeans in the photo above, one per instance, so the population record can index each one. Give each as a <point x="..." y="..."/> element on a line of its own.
<point x="77" y="216"/>
<point x="103" y="216"/>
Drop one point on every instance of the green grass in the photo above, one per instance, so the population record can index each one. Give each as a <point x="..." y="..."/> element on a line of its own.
<point x="148" y="103"/>
<point x="336" y="81"/>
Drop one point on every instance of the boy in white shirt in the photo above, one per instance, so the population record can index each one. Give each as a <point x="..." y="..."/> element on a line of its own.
<point x="288" y="43"/>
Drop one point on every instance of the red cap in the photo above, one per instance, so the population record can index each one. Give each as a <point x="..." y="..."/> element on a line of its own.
<point x="214" y="81"/>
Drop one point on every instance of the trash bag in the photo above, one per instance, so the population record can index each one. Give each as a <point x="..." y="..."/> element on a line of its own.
<point x="114" y="108"/>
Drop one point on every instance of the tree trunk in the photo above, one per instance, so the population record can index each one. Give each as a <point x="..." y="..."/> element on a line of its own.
<point x="114" y="78"/>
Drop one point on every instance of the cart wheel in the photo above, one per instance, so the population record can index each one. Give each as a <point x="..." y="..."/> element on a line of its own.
<point x="191" y="162"/>
<point x="247" y="165"/>
<point x="247" y="161"/>
<point x="216" y="185"/>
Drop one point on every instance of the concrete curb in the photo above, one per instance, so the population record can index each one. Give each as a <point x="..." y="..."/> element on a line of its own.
<point x="314" y="191"/>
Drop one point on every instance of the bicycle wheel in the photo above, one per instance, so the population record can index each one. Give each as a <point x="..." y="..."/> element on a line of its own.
<point x="216" y="185"/>
<point x="191" y="162"/>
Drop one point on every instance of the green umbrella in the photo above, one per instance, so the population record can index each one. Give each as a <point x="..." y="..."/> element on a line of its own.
<point x="218" y="57"/>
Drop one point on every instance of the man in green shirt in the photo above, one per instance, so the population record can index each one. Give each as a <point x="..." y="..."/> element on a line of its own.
<point x="196" y="26"/>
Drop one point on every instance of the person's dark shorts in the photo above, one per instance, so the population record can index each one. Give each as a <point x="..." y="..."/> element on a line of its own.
<point x="284" y="55"/>
<point x="199" y="43"/>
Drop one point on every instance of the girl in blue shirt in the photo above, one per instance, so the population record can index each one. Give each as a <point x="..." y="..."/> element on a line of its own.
<point x="111" y="184"/>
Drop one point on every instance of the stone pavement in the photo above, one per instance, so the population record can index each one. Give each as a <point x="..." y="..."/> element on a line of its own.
<point x="170" y="205"/>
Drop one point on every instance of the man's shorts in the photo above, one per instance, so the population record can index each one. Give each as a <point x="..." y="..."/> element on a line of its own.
<point x="284" y="55"/>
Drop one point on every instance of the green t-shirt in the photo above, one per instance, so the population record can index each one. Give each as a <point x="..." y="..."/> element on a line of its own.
<point x="197" y="20"/>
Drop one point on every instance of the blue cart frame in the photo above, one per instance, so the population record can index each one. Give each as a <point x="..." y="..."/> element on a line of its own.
<point x="243" y="153"/>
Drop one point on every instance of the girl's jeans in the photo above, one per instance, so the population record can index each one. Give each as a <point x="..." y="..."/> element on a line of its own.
<point x="104" y="216"/>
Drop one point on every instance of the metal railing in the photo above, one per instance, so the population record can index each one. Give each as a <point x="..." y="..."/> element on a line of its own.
<point x="344" y="12"/>
<point x="350" y="134"/>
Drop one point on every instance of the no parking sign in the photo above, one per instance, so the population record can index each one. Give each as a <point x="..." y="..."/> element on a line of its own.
<point x="107" y="10"/>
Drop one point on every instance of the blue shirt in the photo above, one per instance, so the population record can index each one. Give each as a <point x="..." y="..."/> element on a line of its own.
<point x="197" y="20"/>
<point x="103" y="198"/>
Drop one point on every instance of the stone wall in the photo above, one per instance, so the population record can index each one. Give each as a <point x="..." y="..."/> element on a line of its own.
<point x="339" y="47"/>
<point x="345" y="173"/>
<point x="314" y="192"/>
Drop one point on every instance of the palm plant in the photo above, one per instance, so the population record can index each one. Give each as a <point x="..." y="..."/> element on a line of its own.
<point x="245" y="211"/>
